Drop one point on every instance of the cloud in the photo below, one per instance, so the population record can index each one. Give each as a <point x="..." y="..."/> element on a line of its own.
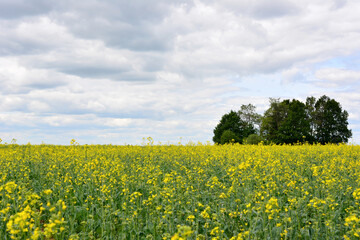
<point x="11" y="9"/>
<point x="293" y="74"/>
<point x="45" y="44"/>
<point x="38" y="34"/>
<point x="117" y="71"/>
<point x="16" y="78"/>
<point x="338" y="4"/>
<point x="122" y="24"/>
<point x="338" y="77"/>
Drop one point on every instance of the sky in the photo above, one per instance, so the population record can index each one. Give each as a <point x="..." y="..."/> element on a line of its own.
<point x="115" y="72"/>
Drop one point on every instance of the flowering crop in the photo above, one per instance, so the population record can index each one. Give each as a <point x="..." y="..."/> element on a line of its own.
<point x="179" y="192"/>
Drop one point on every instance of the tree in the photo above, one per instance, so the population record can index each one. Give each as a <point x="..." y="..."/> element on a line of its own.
<point x="232" y="121"/>
<point x="295" y="127"/>
<point x="310" y="112"/>
<point x="330" y="121"/>
<point x="228" y="137"/>
<point x="286" y="122"/>
<point x="272" y="120"/>
<point x="248" y="115"/>
<point x="321" y="120"/>
<point x="253" y="139"/>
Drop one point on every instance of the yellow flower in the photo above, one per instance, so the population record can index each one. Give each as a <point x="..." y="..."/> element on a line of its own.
<point x="222" y="195"/>
<point x="47" y="192"/>
<point x="190" y="218"/>
<point x="356" y="194"/>
<point x="183" y="233"/>
<point x="215" y="231"/>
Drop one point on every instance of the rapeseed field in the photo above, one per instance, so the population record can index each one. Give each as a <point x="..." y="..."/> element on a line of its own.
<point x="179" y="192"/>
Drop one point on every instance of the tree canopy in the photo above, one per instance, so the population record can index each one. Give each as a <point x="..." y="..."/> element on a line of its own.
<point x="286" y="122"/>
<point x="248" y="115"/>
<point x="232" y="122"/>
<point x="289" y="121"/>
<point x="329" y="121"/>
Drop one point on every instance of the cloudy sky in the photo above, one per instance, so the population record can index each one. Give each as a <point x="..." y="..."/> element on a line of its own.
<point x="104" y="71"/>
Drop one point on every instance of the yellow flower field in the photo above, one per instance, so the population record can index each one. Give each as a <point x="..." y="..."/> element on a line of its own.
<point x="179" y="192"/>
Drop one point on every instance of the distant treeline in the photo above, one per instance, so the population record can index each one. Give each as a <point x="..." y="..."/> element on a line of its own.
<point x="289" y="121"/>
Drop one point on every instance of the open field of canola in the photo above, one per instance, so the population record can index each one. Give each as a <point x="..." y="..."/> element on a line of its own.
<point x="179" y="192"/>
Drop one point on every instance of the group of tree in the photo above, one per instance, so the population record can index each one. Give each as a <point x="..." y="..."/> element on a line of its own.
<point x="289" y="121"/>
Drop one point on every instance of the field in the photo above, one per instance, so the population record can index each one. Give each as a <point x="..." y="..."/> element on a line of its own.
<point x="179" y="192"/>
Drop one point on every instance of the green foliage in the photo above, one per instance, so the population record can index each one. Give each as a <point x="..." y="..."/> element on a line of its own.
<point x="296" y="125"/>
<point x="157" y="192"/>
<point x="248" y="115"/>
<point x="330" y="121"/>
<point x="289" y="121"/>
<point x="253" y="139"/>
<point x="229" y="136"/>
<point x="321" y="120"/>
<point x="272" y="120"/>
<point x="232" y="121"/>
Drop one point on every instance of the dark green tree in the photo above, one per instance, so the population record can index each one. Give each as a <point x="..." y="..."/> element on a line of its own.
<point x="232" y="121"/>
<point x="286" y="122"/>
<point x="229" y="137"/>
<point x="295" y="127"/>
<point x="321" y="120"/>
<point x="310" y="112"/>
<point x="330" y="122"/>
<point x="272" y="120"/>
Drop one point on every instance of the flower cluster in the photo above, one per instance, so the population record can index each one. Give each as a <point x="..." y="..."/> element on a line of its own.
<point x="195" y="191"/>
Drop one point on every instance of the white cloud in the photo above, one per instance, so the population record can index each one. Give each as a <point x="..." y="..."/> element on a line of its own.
<point x="117" y="72"/>
<point x="15" y="77"/>
<point x="334" y="77"/>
